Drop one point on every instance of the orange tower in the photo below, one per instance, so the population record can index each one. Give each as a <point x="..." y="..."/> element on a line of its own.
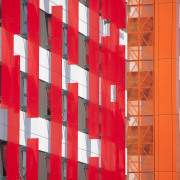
<point x="152" y="90"/>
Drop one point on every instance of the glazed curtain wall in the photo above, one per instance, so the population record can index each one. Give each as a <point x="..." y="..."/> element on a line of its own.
<point x="152" y="122"/>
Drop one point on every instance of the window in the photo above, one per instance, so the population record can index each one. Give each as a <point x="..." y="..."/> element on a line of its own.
<point x="48" y="101"/>
<point x="24" y="164"/>
<point x="65" y="41"/>
<point x="24" y="19"/>
<point x="87" y="115"/>
<point x="64" y="170"/>
<point x="48" y="168"/>
<point x="64" y="106"/>
<point x="3" y="149"/>
<point x="25" y="90"/>
<point x="87" y="50"/>
<point x="49" y="29"/>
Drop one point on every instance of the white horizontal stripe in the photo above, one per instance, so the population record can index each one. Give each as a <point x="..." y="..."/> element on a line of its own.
<point x="70" y="74"/>
<point x="41" y="128"/>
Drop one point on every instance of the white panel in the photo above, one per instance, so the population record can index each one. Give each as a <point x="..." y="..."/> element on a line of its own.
<point x="83" y="19"/>
<point x="40" y="128"/>
<point x="113" y="93"/>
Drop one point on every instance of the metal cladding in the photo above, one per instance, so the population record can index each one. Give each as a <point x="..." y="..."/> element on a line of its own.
<point x="105" y="116"/>
<point x="33" y="59"/>
<point x="56" y="93"/>
<point x="72" y="132"/>
<point x="32" y="159"/>
<point x="94" y="61"/>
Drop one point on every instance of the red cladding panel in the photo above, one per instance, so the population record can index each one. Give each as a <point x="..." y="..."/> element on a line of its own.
<point x="94" y="69"/>
<point x="13" y="122"/>
<point x="120" y="110"/>
<point x="118" y="13"/>
<point x="93" y="168"/>
<point x="32" y="159"/>
<point x="106" y="117"/>
<point x="105" y="9"/>
<point x="113" y="119"/>
<point x="56" y="93"/>
<point x="72" y="33"/>
<point x="10" y="26"/>
<point x="118" y="78"/>
<point x="72" y="132"/>
<point x="115" y="11"/>
<point x="33" y="59"/>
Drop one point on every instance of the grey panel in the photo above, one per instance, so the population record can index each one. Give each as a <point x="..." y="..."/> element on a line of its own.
<point x="42" y="167"/>
<point x="63" y="41"/>
<point x="81" y="114"/>
<point x="62" y="104"/>
<point x="43" y="105"/>
<point x="22" y="18"/>
<point x="64" y="172"/>
<point x="21" y="163"/>
<point x="1" y="160"/>
<point x="43" y="29"/>
<point x="82" y="51"/>
<point x="81" y="172"/>
<point x="82" y="1"/>
<point x="21" y="90"/>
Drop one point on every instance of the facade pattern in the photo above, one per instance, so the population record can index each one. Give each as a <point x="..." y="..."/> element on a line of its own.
<point x="89" y="90"/>
<point x="47" y="122"/>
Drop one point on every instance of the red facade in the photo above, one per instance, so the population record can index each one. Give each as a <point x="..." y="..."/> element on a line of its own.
<point x="56" y="93"/>
<point x="106" y="63"/>
<point x="33" y="59"/>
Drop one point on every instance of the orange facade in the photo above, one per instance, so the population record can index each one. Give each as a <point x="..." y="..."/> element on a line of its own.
<point x="152" y="90"/>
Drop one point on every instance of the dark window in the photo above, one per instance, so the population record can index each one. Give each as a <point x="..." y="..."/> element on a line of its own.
<point x="25" y="90"/>
<point x="49" y="29"/>
<point x="65" y="41"/>
<point x="64" y="106"/>
<point x="24" y="18"/>
<point x="87" y="51"/>
<point x="42" y="170"/>
<point x="64" y="170"/>
<point x="49" y="101"/>
<point x="87" y="115"/>
<point x="3" y="158"/>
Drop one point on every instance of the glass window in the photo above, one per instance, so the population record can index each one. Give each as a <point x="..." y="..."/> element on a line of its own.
<point x="65" y="40"/>
<point x="64" y="110"/>
<point x="49" y="30"/>
<point x="49" y="101"/>
<point x="25" y="91"/>
<point x="87" y="115"/>
<point x="87" y="51"/>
